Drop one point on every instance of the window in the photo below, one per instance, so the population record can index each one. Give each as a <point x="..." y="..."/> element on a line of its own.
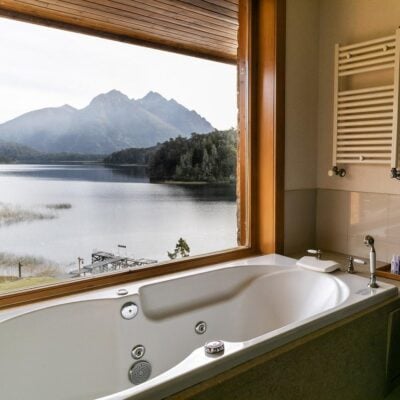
<point x="260" y="63"/>
<point x="113" y="156"/>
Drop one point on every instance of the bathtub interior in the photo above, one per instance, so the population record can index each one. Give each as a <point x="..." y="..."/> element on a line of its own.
<point x="83" y="350"/>
<point x="247" y="302"/>
<point x="65" y="352"/>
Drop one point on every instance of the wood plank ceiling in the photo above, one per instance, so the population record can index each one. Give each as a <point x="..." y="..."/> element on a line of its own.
<point x="206" y="28"/>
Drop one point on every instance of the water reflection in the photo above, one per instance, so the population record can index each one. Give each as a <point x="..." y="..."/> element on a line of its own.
<point x="90" y="172"/>
<point x="93" y="172"/>
<point x="110" y="206"/>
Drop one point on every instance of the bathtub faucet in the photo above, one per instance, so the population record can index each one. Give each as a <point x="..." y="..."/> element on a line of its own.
<point x="317" y="253"/>
<point x="369" y="242"/>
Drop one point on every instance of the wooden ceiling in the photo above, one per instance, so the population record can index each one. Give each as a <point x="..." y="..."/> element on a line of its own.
<point x="206" y="28"/>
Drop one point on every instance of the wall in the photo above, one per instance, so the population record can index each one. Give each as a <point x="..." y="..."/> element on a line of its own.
<point x="302" y="25"/>
<point x="366" y="200"/>
<point x="320" y="211"/>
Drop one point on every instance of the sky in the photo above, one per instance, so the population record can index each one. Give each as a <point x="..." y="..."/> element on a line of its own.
<point x="45" y="67"/>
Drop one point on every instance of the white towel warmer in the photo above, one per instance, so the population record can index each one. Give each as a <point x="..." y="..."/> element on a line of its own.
<point x="366" y="123"/>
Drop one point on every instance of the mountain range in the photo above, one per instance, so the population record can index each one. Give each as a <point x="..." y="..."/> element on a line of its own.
<point x="110" y="122"/>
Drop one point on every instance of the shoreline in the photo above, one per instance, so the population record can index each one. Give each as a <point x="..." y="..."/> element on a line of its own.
<point x="199" y="183"/>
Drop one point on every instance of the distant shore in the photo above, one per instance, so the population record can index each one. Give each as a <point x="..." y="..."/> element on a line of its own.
<point x="172" y="182"/>
<point x="121" y="165"/>
<point x="124" y="165"/>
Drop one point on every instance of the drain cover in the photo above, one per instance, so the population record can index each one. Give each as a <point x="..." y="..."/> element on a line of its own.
<point x="140" y="372"/>
<point x="214" y="347"/>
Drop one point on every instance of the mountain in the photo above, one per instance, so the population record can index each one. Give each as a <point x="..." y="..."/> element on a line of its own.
<point x="39" y="129"/>
<point x="18" y="153"/>
<point x="175" y="114"/>
<point x="110" y="122"/>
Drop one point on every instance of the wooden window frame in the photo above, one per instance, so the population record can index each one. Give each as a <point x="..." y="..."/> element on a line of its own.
<point x="261" y="82"/>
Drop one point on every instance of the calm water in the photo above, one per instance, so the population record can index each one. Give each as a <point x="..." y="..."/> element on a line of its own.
<point x="112" y="206"/>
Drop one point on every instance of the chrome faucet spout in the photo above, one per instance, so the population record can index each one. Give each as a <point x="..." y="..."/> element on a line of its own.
<point x="369" y="242"/>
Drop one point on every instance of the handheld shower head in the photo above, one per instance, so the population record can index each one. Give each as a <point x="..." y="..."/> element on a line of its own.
<point x="369" y="241"/>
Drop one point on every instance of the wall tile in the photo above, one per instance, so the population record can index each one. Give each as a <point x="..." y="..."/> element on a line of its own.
<point x="344" y="218"/>
<point x="386" y="252"/>
<point x="299" y="220"/>
<point x="393" y="226"/>
<point x="332" y="212"/>
<point x="328" y="241"/>
<point x="368" y="213"/>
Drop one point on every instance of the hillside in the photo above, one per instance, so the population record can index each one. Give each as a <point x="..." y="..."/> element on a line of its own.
<point x="132" y="156"/>
<point x="17" y="153"/>
<point x="11" y="152"/>
<point x="110" y="122"/>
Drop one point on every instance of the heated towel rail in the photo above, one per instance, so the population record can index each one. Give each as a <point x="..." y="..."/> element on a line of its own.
<point x="366" y="125"/>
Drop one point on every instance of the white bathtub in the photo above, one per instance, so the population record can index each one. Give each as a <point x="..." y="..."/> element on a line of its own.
<point x="79" y="347"/>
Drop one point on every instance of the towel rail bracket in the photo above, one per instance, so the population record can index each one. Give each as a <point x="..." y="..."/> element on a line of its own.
<point x="341" y="172"/>
<point x="395" y="173"/>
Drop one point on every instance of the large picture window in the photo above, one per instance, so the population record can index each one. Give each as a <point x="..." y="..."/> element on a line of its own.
<point x="113" y="156"/>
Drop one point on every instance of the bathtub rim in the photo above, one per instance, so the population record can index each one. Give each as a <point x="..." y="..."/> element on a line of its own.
<point x="265" y="343"/>
<point x="133" y="287"/>
<point x="254" y="349"/>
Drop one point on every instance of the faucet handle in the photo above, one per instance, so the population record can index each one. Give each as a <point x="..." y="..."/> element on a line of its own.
<point x="317" y="253"/>
<point x="352" y="261"/>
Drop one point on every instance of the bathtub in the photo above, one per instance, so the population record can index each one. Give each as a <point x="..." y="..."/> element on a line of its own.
<point x="80" y="347"/>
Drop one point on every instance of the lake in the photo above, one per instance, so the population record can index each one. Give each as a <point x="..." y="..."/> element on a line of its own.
<point x="111" y="207"/>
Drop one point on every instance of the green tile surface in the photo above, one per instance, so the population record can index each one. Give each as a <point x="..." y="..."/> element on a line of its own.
<point x="395" y="395"/>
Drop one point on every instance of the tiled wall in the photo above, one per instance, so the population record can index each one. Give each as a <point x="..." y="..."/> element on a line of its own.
<point x="300" y="220"/>
<point x="329" y="212"/>
<point x="344" y="218"/>
<point x="302" y="26"/>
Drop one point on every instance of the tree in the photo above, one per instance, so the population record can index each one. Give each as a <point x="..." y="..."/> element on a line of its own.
<point x="181" y="248"/>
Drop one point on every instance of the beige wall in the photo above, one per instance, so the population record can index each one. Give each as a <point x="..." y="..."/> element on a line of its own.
<point x="348" y="21"/>
<point x="301" y="123"/>
<point x="344" y="217"/>
<point x="301" y="93"/>
<point x="366" y="200"/>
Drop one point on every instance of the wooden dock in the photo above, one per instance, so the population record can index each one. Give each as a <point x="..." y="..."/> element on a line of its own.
<point x="107" y="262"/>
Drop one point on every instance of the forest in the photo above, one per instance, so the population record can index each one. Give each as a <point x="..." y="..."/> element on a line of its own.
<point x="200" y="158"/>
<point x="204" y="158"/>
<point x="131" y="156"/>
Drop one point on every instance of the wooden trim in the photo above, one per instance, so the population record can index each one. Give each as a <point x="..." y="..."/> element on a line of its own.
<point x="244" y="145"/>
<point x="261" y="164"/>
<point x="173" y="25"/>
<point x="210" y="54"/>
<point x="269" y="143"/>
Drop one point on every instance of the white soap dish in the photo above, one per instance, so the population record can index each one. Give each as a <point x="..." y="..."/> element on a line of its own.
<point x="315" y="264"/>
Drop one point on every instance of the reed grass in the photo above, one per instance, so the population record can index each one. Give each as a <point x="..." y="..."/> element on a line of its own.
<point x="31" y="266"/>
<point x="13" y="214"/>
<point x="59" y="206"/>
